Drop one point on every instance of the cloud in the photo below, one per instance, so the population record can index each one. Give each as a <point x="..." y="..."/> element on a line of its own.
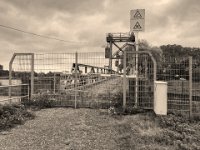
<point x="87" y="22"/>
<point x="46" y="8"/>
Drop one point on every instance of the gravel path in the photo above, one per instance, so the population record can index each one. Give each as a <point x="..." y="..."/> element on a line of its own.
<point x="93" y="129"/>
<point x="62" y="129"/>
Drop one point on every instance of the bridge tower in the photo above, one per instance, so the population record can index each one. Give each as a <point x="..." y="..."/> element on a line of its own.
<point x="119" y="41"/>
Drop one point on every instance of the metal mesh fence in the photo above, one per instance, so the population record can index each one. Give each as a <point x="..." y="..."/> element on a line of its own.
<point x="70" y="78"/>
<point x="19" y="93"/>
<point x="195" y="87"/>
<point x="175" y="71"/>
<point x="84" y="79"/>
<point x="50" y="70"/>
<point x="97" y="85"/>
<point x="140" y="85"/>
<point x="17" y="89"/>
<point x="21" y="69"/>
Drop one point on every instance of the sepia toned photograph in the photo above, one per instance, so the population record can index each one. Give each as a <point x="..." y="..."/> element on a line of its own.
<point x="99" y="75"/>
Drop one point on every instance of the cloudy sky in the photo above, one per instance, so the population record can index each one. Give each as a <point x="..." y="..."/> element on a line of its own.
<point x="84" y="23"/>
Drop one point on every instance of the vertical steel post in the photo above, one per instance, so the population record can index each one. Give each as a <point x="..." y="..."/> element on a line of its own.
<point x="28" y="94"/>
<point x="154" y="76"/>
<point x="136" y="68"/>
<point x="54" y="83"/>
<point x="190" y="84"/>
<point x="10" y="75"/>
<point x="124" y="82"/>
<point x="32" y="74"/>
<point x="110" y="59"/>
<point x="75" y="82"/>
<point x="10" y="78"/>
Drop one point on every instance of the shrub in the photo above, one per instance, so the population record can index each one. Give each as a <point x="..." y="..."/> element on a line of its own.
<point x="41" y="101"/>
<point x="11" y="115"/>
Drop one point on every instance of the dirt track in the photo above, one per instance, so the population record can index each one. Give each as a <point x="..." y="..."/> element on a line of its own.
<point x="56" y="129"/>
<point x="87" y="129"/>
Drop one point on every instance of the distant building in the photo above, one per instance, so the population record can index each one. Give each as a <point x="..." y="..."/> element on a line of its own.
<point x="1" y="67"/>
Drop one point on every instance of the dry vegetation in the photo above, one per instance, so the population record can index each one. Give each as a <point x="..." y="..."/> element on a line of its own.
<point x="66" y="128"/>
<point x="12" y="115"/>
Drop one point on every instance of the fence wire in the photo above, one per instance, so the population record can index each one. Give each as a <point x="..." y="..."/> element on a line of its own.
<point x="175" y="71"/>
<point x="86" y="79"/>
<point x="140" y="90"/>
<point x="196" y="87"/>
<point x="19" y="93"/>
<point x="69" y="78"/>
<point x="19" y="88"/>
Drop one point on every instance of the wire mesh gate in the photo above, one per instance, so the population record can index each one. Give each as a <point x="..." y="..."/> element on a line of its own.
<point x="68" y="79"/>
<point x="139" y="79"/>
<point x="83" y="80"/>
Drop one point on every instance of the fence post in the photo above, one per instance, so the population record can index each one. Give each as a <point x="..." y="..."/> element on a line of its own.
<point x="10" y="79"/>
<point x="110" y="58"/>
<point x="54" y="83"/>
<point x="75" y="82"/>
<point x="136" y="68"/>
<point x="190" y="84"/>
<point x="10" y="75"/>
<point x="124" y="82"/>
<point x="28" y="94"/>
<point x="32" y="74"/>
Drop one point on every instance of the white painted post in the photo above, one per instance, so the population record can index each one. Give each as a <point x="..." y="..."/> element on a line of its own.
<point x="160" y="99"/>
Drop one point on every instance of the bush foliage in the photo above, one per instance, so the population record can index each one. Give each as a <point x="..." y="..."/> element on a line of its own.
<point x="41" y="101"/>
<point x="12" y="115"/>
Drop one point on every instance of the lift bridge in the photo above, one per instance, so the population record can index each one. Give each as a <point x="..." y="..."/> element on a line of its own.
<point x="88" y="74"/>
<point x="44" y="70"/>
<point x="86" y="77"/>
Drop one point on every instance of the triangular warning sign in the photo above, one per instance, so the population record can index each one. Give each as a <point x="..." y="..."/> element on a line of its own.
<point x="137" y="26"/>
<point x="138" y="15"/>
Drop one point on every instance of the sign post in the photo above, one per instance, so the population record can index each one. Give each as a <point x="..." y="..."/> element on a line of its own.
<point x="137" y="23"/>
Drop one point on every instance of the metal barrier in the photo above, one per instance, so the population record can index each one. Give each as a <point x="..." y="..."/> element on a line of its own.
<point x="139" y="76"/>
<point x="18" y="93"/>
<point x="195" y="87"/>
<point x="71" y="79"/>
<point x="78" y="77"/>
<point x="182" y="76"/>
